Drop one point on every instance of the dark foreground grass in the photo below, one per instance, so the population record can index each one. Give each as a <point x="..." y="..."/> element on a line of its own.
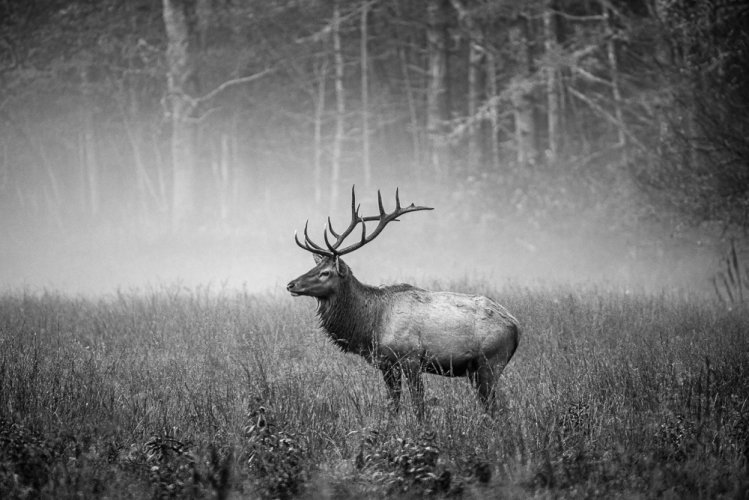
<point x="188" y="393"/>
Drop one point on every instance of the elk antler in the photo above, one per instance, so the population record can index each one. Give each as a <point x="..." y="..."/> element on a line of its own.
<point x="333" y="249"/>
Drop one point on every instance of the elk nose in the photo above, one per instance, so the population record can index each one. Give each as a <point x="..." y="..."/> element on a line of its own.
<point x="292" y="288"/>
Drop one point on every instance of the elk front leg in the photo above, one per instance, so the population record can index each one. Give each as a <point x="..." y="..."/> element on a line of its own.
<point x="416" y="387"/>
<point x="392" y="376"/>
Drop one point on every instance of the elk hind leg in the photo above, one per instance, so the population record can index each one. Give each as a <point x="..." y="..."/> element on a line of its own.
<point x="392" y="375"/>
<point x="484" y="379"/>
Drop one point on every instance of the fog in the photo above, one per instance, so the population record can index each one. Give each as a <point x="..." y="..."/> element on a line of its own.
<point x="439" y="248"/>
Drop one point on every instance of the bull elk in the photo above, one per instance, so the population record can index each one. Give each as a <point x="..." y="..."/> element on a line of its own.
<point x="402" y="329"/>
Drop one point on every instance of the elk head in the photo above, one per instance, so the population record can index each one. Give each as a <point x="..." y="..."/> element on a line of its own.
<point x="324" y="279"/>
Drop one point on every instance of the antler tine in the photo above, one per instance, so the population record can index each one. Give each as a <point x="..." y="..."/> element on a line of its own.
<point x="382" y="208"/>
<point x="363" y="231"/>
<point x="379" y="202"/>
<point x="308" y="244"/>
<point x="296" y="238"/>
<point x="340" y="237"/>
<point x="354" y="208"/>
<point x="311" y="245"/>
<point x="327" y="242"/>
<point x="397" y="201"/>
<point x="330" y="228"/>
<point x="355" y="218"/>
<point x="307" y="241"/>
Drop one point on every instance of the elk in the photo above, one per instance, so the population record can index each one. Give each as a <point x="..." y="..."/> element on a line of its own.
<point x="402" y="329"/>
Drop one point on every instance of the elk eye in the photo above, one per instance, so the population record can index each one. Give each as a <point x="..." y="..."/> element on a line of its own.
<point x="324" y="274"/>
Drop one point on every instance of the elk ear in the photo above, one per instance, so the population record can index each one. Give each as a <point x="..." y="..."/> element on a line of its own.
<point x="341" y="267"/>
<point x="317" y="258"/>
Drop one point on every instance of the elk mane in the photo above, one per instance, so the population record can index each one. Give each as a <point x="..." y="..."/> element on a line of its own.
<point x="353" y="315"/>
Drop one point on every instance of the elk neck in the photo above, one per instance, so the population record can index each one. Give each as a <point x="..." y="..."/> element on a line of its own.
<point x="352" y="315"/>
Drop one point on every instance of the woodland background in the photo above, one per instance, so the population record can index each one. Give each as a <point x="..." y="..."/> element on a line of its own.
<point x="621" y="125"/>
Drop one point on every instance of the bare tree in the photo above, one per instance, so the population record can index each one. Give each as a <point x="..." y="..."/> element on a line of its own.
<point x="88" y="155"/>
<point x="614" y="70"/>
<point x="335" y="172"/>
<point x="437" y="112"/>
<point x="476" y="56"/>
<point x="411" y="88"/>
<point x="493" y="105"/>
<point x="521" y="90"/>
<point x="178" y="73"/>
<point x="552" y="81"/>
<point x="364" y="49"/>
<point x="183" y="102"/>
<point x="321" y="74"/>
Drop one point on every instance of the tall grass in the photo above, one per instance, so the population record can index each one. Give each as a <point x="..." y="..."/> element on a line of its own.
<point x="195" y="393"/>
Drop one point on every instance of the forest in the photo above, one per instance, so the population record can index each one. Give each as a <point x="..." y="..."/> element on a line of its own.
<point x="522" y="122"/>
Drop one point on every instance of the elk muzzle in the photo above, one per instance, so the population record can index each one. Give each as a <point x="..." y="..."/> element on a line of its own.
<point x="307" y="285"/>
<point x="293" y="288"/>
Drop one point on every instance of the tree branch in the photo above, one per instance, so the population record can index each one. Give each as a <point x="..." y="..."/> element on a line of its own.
<point x="328" y="28"/>
<point x="597" y="107"/>
<point x="230" y="83"/>
<point x="590" y="76"/>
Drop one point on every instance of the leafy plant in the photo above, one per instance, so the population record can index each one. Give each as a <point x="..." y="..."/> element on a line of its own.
<point x="277" y="458"/>
<point x="26" y="459"/>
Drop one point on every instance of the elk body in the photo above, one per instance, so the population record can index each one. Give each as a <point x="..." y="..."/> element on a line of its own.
<point x="402" y="329"/>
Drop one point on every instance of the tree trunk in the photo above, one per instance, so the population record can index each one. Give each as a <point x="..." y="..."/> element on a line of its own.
<point x="321" y="73"/>
<point x="614" y="69"/>
<point x="475" y="59"/>
<point x="365" y="94"/>
<point x="335" y="173"/>
<point x="222" y="175"/>
<point x="203" y="19"/>
<point x="180" y="108"/>
<point x="89" y="165"/>
<point x="415" y="125"/>
<point x="552" y="82"/>
<point x="493" y="98"/>
<point x="521" y="94"/>
<point x="50" y="192"/>
<point x="146" y="191"/>
<point x="88" y="155"/>
<point x="437" y="86"/>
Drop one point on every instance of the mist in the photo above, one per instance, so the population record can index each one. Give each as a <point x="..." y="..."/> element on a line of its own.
<point x="428" y="249"/>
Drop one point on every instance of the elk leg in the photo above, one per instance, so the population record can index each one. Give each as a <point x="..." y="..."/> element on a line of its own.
<point x="483" y="379"/>
<point x="392" y="375"/>
<point x="416" y="388"/>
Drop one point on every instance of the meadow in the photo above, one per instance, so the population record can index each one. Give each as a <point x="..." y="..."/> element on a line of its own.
<point x="199" y="393"/>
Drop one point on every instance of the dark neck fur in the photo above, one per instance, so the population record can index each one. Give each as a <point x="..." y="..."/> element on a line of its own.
<point x="352" y="315"/>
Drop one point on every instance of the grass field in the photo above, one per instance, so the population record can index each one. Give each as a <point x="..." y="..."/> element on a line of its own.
<point x="197" y="393"/>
